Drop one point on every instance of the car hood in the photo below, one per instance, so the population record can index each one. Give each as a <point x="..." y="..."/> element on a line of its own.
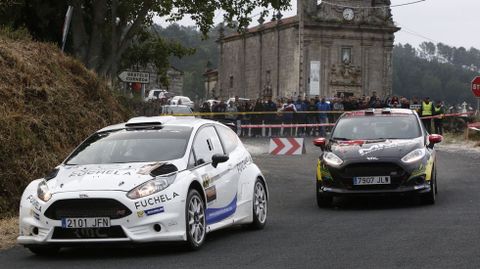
<point x="106" y="177"/>
<point x="371" y="150"/>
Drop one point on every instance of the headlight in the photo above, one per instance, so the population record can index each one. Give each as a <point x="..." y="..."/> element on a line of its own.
<point x="332" y="159"/>
<point x="43" y="192"/>
<point x="150" y="187"/>
<point x="414" y="156"/>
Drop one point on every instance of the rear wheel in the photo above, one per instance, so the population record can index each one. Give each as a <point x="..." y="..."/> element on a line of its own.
<point x="195" y="220"/>
<point x="260" y="205"/>
<point x="430" y="197"/>
<point x="44" y="250"/>
<point x="323" y="200"/>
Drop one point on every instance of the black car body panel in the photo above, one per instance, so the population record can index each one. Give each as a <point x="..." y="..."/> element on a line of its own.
<point x="376" y="158"/>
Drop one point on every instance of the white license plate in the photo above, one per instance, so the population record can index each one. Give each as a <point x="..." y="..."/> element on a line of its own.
<point x="384" y="180"/>
<point x="85" y="222"/>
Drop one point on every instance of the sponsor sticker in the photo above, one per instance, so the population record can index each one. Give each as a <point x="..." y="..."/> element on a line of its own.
<point x="112" y="172"/>
<point x="211" y="193"/>
<point x="150" y="212"/>
<point x="35" y="203"/>
<point x="151" y="201"/>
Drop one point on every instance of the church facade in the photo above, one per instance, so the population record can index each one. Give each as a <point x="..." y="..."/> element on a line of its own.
<point x="338" y="47"/>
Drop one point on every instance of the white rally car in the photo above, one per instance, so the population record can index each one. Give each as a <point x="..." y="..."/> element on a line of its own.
<point x="149" y="179"/>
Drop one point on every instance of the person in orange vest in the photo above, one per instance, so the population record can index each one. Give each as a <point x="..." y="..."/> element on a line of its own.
<point x="438" y="122"/>
<point x="427" y="111"/>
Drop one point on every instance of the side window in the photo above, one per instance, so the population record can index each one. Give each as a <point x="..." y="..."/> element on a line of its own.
<point x="206" y="144"/>
<point x="228" y="137"/>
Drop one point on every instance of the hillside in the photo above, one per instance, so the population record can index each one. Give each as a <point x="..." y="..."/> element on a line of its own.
<point x="48" y="104"/>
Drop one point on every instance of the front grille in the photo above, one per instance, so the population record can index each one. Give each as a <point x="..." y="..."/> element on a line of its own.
<point x="344" y="177"/>
<point x="88" y="233"/>
<point x="87" y="208"/>
<point x="372" y="169"/>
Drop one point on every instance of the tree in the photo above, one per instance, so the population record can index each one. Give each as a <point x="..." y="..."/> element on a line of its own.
<point x="103" y="30"/>
<point x="428" y="50"/>
<point x="151" y="49"/>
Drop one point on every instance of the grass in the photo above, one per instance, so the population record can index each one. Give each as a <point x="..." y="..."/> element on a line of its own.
<point x="8" y="232"/>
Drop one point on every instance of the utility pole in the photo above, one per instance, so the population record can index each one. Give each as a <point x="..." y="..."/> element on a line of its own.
<point x="301" y="26"/>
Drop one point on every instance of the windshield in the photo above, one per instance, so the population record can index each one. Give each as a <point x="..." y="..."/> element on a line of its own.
<point x="176" y="110"/>
<point x="377" y="127"/>
<point x="126" y="146"/>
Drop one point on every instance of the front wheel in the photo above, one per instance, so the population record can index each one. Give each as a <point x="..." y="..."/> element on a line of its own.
<point x="195" y="220"/>
<point x="323" y="200"/>
<point x="430" y="197"/>
<point x="260" y="206"/>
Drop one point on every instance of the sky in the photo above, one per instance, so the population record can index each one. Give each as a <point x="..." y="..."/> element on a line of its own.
<point x="453" y="22"/>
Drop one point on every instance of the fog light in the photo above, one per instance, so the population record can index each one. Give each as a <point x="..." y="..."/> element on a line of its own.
<point x="157" y="228"/>
<point x="419" y="181"/>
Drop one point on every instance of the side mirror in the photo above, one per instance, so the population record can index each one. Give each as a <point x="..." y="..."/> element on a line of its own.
<point x="320" y="142"/>
<point x="219" y="158"/>
<point x="435" y="139"/>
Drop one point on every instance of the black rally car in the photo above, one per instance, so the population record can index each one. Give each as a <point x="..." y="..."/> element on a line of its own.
<point x="377" y="151"/>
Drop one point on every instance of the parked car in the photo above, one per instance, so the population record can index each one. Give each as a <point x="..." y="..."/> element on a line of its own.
<point x="155" y="94"/>
<point x="176" y="110"/>
<point x="182" y="100"/>
<point x="150" y="179"/>
<point x="377" y="151"/>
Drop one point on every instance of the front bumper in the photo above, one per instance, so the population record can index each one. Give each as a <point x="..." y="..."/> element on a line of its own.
<point x="167" y="224"/>
<point x="423" y="188"/>
<point x="404" y="180"/>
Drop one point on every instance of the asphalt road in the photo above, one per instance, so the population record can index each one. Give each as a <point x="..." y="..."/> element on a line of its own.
<point x="355" y="233"/>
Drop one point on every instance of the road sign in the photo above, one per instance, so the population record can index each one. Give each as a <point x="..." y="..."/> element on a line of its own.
<point x="287" y="146"/>
<point x="476" y="86"/>
<point x="130" y="76"/>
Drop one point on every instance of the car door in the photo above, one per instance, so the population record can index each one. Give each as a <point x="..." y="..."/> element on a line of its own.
<point x="237" y="161"/>
<point x="221" y="203"/>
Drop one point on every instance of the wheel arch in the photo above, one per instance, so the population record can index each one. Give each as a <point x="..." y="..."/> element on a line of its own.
<point x="262" y="179"/>
<point x="198" y="187"/>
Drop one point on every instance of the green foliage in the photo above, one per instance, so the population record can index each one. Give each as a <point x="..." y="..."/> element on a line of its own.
<point x="150" y="49"/>
<point x="438" y="71"/>
<point x="18" y="34"/>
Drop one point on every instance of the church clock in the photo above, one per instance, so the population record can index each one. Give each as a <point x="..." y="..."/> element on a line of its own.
<point x="348" y="14"/>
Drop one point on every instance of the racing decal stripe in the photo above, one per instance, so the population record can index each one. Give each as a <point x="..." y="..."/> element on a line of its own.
<point x="215" y="215"/>
<point x="319" y="172"/>
<point x="429" y="169"/>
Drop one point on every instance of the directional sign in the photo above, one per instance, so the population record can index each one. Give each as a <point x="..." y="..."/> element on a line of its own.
<point x="476" y="86"/>
<point x="287" y="146"/>
<point x="130" y="76"/>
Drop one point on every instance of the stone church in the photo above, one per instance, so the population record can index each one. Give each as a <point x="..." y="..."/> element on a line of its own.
<point x="337" y="47"/>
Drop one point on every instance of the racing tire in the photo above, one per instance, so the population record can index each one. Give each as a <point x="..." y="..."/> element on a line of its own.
<point x="44" y="250"/>
<point x="260" y="206"/>
<point x="195" y="220"/>
<point x="323" y="200"/>
<point x="430" y="197"/>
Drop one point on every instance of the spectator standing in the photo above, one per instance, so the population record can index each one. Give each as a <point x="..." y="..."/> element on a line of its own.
<point x="257" y="118"/>
<point x="271" y="118"/>
<point x="426" y="110"/>
<point x="300" y="118"/>
<point x="323" y="107"/>
<point x="438" y="122"/>
<point x="289" y="109"/>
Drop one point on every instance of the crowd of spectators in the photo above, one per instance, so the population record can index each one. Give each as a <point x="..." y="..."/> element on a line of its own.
<point x="319" y="111"/>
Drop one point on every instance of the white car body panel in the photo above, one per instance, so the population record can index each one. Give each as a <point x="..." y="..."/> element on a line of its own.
<point x="232" y="204"/>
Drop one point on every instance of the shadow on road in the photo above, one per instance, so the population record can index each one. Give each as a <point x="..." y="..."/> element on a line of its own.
<point x="376" y="203"/>
<point x="147" y="250"/>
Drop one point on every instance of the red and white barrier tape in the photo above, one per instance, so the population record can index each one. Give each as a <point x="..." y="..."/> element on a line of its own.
<point x="252" y="126"/>
<point x="466" y="114"/>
